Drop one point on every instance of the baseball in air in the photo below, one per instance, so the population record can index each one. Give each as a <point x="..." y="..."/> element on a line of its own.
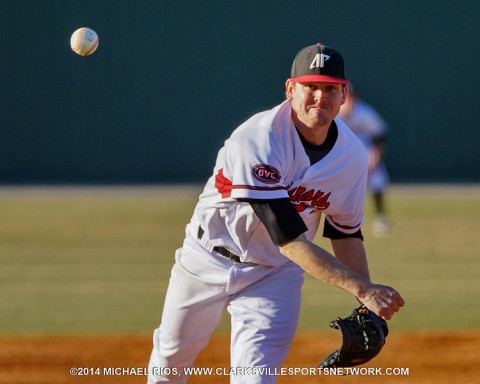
<point x="84" y="41"/>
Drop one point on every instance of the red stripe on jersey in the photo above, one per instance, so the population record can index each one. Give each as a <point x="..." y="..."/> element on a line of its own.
<point x="224" y="186"/>
<point x="258" y="188"/>
<point x="344" y="226"/>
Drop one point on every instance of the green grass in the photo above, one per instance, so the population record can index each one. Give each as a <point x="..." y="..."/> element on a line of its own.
<point x="99" y="261"/>
<point x="432" y="259"/>
<point x="95" y="263"/>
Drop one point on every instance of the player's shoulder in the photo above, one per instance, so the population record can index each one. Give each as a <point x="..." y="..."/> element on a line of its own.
<point x="264" y="125"/>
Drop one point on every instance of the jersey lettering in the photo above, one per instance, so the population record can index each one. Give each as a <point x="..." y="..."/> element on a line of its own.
<point x="300" y="195"/>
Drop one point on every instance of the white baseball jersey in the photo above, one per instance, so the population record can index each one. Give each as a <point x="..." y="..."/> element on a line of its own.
<point x="264" y="159"/>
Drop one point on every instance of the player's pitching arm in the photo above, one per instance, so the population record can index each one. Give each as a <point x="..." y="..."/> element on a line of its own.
<point x="381" y="299"/>
<point x="351" y="252"/>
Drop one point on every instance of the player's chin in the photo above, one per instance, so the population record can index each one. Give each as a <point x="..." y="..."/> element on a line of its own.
<point x="320" y="112"/>
<point x="320" y="119"/>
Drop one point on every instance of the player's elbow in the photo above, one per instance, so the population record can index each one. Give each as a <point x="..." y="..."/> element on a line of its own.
<point x="292" y="248"/>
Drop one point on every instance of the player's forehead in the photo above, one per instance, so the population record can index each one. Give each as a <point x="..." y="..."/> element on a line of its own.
<point x="320" y="84"/>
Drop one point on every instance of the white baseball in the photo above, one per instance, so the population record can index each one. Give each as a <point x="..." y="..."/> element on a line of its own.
<point x="84" y="41"/>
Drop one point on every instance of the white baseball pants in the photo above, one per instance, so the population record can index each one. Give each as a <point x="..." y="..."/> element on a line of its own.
<point x="263" y="302"/>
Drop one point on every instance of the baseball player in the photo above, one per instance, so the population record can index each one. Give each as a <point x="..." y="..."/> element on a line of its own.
<point x="250" y="237"/>
<point x="371" y="129"/>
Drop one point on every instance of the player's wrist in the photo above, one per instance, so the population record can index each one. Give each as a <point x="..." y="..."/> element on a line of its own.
<point x="361" y="288"/>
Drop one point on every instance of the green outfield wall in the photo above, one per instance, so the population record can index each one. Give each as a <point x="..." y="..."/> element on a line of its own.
<point x="171" y="79"/>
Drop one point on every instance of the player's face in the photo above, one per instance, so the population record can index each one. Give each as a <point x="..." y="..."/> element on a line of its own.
<point x="315" y="104"/>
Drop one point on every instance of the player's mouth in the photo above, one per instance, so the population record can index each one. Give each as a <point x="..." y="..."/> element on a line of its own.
<point x="318" y="107"/>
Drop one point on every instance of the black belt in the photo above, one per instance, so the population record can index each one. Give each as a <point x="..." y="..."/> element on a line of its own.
<point x="221" y="250"/>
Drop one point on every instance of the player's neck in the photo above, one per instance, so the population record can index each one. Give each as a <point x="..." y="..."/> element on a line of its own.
<point x="314" y="135"/>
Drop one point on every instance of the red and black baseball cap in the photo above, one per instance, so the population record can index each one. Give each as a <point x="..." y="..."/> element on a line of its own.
<point x="318" y="64"/>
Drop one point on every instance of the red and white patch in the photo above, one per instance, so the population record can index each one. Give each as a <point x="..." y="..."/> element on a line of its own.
<point x="266" y="173"/>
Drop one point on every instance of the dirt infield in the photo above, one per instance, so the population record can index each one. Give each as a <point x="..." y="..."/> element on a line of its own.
<point x="418" y="358"/>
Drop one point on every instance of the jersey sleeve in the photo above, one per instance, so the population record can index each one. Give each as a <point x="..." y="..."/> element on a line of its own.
<point x="332" y="233"/>
<point x="348" y="219"/>
<point x="280" y="218"/>
<point x="254" y="167"/>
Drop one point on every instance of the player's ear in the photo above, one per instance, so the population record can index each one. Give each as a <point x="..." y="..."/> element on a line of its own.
<point x="345" y="93"/>
<point x="289" y="89"/>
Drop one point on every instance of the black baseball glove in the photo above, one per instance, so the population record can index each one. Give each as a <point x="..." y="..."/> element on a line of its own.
<point x="363" y="337"/>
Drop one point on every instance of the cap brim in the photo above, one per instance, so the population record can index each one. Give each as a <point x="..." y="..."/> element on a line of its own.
<point x="318" y="79"/>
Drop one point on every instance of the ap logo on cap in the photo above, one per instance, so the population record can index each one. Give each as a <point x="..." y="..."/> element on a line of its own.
<point x="319" y="60"/>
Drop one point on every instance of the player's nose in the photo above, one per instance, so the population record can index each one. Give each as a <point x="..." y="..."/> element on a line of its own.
<point x="318" y="94"/>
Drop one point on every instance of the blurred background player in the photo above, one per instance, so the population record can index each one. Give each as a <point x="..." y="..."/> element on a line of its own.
<point x="371" y="129"/>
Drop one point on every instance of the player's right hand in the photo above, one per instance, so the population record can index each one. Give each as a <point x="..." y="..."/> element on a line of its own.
<point x="382" y="300"/>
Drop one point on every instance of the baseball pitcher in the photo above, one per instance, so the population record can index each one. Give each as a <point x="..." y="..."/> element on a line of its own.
<point x="250" y="238"/>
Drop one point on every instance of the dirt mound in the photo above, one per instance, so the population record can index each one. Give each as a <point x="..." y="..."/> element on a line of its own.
<point x="418" y="358"/>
